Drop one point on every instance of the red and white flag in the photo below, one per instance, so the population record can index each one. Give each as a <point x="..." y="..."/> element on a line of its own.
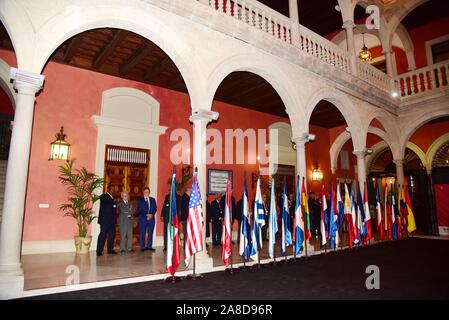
<point x="226" y="252"/>
<point x="195" y="222"/>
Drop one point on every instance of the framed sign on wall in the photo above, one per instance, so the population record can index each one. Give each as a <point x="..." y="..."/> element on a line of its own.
<point x="217" y="179"/>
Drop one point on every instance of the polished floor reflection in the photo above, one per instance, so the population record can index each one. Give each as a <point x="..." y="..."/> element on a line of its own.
<point x="53" y="270"/>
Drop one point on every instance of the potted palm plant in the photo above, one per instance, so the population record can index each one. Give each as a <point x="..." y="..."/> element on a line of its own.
<point x="81" y="186"/>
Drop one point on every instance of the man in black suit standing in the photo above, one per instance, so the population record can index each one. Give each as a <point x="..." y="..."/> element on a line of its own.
<point x="217" y="218"/>
<point x="106" y="219"/>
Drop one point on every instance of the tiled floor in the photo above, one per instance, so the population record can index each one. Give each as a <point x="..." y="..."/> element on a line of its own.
<point x="53" y="270"/>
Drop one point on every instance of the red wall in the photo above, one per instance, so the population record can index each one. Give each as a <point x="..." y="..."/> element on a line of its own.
<point x="428" y="133"/>
<point x="5" y="103"/>
<point x="401" y="58"/>
<point x="424" y="33"/>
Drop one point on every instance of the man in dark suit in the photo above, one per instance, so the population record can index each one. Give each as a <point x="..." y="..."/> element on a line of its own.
<point x="239" y="208"/>
<point x="106" y="219"/>
<point x="166" y="212"/>
<point x="217" y="216"/>
<point x="146" y="207"/>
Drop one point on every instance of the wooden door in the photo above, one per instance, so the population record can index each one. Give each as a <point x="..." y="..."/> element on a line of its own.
<point x="127" y="169"/>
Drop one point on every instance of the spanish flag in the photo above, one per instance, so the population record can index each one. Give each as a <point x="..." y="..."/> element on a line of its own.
<point x="411" y="225"/>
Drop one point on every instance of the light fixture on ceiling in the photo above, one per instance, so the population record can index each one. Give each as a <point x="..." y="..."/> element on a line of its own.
<point x="365" y="54"/>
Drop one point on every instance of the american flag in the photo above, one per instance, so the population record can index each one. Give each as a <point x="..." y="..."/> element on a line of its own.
<point x="194" y="240"/>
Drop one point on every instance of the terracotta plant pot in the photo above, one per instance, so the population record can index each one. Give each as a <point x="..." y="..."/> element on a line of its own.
<point x="82" y="244"/>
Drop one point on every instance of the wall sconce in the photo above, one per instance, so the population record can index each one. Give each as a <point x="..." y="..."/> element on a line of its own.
<point x="317" y="175"/>
<point x="60" y="149"/>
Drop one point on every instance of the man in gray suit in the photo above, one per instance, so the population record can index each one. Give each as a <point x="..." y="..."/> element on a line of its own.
<point x="126" y="211"/>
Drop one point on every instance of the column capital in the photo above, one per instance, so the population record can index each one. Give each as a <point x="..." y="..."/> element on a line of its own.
<point x="26" y="82"/>
<point x="359" y="153"/>
<point x="398" y="162"/>
<point x="348" y="24"/>
<point x="203" y="115"/>
<point x="302" y="139"/>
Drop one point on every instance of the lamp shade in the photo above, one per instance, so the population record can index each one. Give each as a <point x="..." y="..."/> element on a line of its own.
<point x="60" y="149"/>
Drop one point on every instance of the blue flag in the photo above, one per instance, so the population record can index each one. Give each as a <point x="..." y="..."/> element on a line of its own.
<point x="245" y="245"/>
<point x="299" y="222"/>
<point x="286" y="226"/>
<point x="273" y="222"/>
<point x="333" y="220"/>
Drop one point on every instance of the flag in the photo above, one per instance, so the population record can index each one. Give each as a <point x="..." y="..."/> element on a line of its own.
<point x="369" y="230"/>
<point x="258" y="216"/>
<point x="333" y="220"/>
<point x="298" y="232"/>
<point x="173" y="231"/>
<point x="361" y="227"/>
<point x="286" y="232"/>
<point x="411" y="225"/>
<point x="273" y="222"/>
<point x="387" y="213"/>
<point x="323" y="232"/>
<point x="394" y="226"/>
<point x="403" y="211"/>
<point x="349" y="217"/>
<point x="340" y="208"/>
<point x="305" y="210"/>
<point x="245" y="245"/>
<point x="195" y="222"/>
<point x="355" y="230"/>
<point x="380" y="224"/>
<point x="226" y="251"/>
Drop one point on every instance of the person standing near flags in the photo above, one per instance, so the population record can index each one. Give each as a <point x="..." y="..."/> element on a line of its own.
<point x="146" y="207"/>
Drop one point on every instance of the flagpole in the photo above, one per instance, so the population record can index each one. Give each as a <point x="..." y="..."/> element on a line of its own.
<point x="194" y="275"/>
<point x="172" y="278"/>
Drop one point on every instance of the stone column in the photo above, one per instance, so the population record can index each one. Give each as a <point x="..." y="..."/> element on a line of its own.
<point x="293" y="10"/>
<point x="349" y="27"/>
<point x="301" y="168"/>
<point x="399" y="171"/>
<point x="200" y="120"/>
<point x="361" y="169"/>
<point x="294" y="16"/>
<point x="11" y="273"/>
<point x="389" y="61"/>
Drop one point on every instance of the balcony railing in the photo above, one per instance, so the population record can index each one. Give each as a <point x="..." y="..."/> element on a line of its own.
<point x="284" y="29"/>
<point x="427" y="80"/>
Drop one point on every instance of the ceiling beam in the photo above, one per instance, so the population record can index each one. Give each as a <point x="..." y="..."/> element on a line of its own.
<point x="72" y="48"/>
<point x="164" y="63"/>
<point x="118" y="37"/>
<point x="143" y="51"/>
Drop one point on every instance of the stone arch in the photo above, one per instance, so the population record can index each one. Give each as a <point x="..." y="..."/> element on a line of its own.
<point x="5" y="84"/>
<point x="345" y="136"/>
<point x="418" y="121"/>
<point x="381" y="146"/>
<point x="71" y="21"/>
<point x="418" y="151"/>
<point x="343" y="104"/>
<point x="136" y="126"/>
<point x="434" y="147"/>
<point x="20" y="30"/>
<point x="257" y="65"/>
<point x="398" y="16"/>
